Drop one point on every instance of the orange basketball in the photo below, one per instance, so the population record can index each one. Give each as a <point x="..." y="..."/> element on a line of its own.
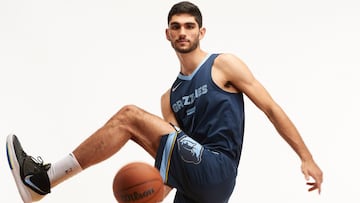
<point x="138" y="182"/>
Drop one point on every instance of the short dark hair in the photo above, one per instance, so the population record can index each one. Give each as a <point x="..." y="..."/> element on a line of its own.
<point x="186" y="7"/>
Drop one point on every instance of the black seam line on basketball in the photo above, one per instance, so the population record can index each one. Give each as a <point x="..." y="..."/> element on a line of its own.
<point x="155" y="179"/>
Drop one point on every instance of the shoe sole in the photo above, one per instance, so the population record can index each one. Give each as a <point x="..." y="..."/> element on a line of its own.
<point x="24" y="191"/>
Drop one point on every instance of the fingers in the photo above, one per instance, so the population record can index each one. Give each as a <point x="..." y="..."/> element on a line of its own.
<point x="318" y="180"/>
<point x="311" y="170"/>
<point x="314" y="186"/>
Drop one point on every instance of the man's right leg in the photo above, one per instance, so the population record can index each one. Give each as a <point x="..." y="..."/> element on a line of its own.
<point x="130" y="122"/>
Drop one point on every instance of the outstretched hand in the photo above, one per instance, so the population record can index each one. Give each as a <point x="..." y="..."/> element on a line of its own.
<point x="310" y="169"/>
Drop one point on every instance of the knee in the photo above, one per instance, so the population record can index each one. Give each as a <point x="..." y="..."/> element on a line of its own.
<point x="129" y="110"/>
<point x="126" y="115"/>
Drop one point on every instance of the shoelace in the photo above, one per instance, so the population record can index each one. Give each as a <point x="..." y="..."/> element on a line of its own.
<point x="40" y="162"/>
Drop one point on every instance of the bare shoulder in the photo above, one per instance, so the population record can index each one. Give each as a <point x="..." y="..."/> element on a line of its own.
<point x="226" y="56"/>
<point x="230" y="70"/>
<point x="229" y="59"/>
<point x="230" y="65"/>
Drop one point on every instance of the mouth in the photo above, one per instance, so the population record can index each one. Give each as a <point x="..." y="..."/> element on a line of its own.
<point x="182" y="41"/>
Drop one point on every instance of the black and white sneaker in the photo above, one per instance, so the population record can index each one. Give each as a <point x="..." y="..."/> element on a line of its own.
<point x="30" y="174"/>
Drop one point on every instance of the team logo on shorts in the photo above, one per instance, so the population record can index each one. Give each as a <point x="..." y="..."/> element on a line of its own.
<point x="190" y="150"/>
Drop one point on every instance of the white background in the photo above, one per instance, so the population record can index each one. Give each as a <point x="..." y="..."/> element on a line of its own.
<point x="67" y="66"/>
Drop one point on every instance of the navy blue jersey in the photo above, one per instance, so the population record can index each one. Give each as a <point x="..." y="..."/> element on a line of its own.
<point x="208" y="114"/>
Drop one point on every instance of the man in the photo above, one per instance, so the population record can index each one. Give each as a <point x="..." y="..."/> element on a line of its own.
<point x="197" y="145"/>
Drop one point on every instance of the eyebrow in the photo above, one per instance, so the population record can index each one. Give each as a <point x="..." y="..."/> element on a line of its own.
<point x="186" y="23"/>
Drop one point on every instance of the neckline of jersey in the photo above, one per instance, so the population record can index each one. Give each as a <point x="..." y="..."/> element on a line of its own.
<point x="189" y="77"/>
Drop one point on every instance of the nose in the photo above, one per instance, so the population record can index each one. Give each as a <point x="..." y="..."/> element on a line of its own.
<point x="182" y="31"/>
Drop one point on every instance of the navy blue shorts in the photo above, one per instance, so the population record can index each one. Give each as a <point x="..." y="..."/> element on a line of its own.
<point x="198" y="174"/>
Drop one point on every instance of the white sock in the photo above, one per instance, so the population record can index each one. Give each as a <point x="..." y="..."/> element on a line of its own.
<point x="63" y="169"/>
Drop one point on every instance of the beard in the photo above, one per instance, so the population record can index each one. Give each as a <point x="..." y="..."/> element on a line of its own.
<point x="187" y="49"/>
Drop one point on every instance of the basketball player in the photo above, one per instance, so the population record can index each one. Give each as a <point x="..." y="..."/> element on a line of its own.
<point x="197" y="145"/>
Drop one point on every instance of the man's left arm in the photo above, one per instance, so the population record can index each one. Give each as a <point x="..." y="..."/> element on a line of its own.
<point x="240" y="77"/>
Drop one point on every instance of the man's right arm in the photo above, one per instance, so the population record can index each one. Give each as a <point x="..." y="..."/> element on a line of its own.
<point x="166" y="110"/>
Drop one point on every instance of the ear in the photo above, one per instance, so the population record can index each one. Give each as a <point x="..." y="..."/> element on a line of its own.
<point x="202" y="33"/>
<point x="167" y="34"/>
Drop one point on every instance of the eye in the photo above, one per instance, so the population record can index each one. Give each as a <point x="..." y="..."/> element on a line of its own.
<point x="174" y="26"/>
<point x="190" y="26"/>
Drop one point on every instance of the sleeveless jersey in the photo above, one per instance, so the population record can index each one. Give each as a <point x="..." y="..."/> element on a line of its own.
<point x="208" y="114"/>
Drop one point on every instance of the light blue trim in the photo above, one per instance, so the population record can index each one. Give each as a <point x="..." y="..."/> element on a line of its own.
<point x="165" y="161"/>
<point x="189" y="77"/>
